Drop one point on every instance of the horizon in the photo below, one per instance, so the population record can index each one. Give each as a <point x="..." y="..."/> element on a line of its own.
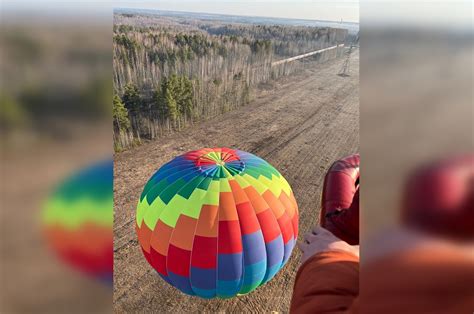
<point x="320" y="10"/>
<point x="233" y="15"/>
<point x="317" y="10"/>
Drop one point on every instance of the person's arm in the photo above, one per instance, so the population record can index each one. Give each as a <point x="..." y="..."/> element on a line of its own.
<point x="328" y="279"/>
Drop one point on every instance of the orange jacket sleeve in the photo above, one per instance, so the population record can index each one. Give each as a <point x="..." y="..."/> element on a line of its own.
<point x="326" y="283"/>
<point x="430" y="280"/>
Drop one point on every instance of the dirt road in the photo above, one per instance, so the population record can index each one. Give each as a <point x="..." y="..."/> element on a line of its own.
<point x="300" y="125"/>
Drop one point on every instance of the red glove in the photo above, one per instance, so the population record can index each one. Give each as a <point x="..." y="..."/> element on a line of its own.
<point x="340" y="199"/>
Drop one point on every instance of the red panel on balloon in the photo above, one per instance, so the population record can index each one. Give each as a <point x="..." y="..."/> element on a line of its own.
<point x="178" y="261"/>
<point x="204" y="252"/>
<point x="269" y="225"/>
<point x="230" y="237"/>
<point x="248" y="219"/>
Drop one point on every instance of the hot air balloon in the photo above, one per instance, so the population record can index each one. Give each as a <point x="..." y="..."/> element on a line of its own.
<point x="78" y="218"/>
<point x="217" y="222"/>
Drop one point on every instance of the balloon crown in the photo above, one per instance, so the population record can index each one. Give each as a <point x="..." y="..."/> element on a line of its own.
<point x="219" y="163"/>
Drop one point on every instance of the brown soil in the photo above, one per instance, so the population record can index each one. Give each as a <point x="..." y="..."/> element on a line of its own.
<point x="300" y="126"/>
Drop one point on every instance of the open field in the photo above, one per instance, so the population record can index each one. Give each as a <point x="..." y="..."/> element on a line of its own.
<point x="300" y="124"/>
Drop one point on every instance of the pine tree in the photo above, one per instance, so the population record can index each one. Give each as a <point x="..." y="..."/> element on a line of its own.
<point x="171" y="105"/>
<point x="159" y="100"/>
<point x="165" y="99"/>
<point x="187" y="98"/>
<point x="131" y="98"/>
<point x="184" y="95"/>
<point x="120" y="115"/>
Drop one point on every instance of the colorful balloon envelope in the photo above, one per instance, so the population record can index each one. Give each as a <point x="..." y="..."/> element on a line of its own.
<point x="78" y="219"/>
<point x="217" y="222"/>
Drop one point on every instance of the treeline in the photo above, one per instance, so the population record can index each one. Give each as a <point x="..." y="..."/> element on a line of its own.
<point x="169" y="76"/>
<point x="172" y="101"/>
<point x="286" y="40"/>
<point x="144" y="57"/>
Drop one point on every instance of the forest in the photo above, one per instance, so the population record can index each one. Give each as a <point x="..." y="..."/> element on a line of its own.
<point x="171" y="72"/>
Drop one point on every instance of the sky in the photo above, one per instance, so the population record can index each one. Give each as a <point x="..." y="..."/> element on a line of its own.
<point x="331" y="10"/>
<point x="427" y="13"/>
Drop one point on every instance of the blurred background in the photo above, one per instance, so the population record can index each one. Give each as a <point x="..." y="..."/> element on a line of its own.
<point x="55" y="96"/>
<point x="416" y="95"/>
<point x="417" y="147"/>
<point x="55" y="125"/>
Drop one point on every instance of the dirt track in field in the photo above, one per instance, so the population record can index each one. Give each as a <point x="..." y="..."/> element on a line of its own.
<point x="300" y="125"/>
